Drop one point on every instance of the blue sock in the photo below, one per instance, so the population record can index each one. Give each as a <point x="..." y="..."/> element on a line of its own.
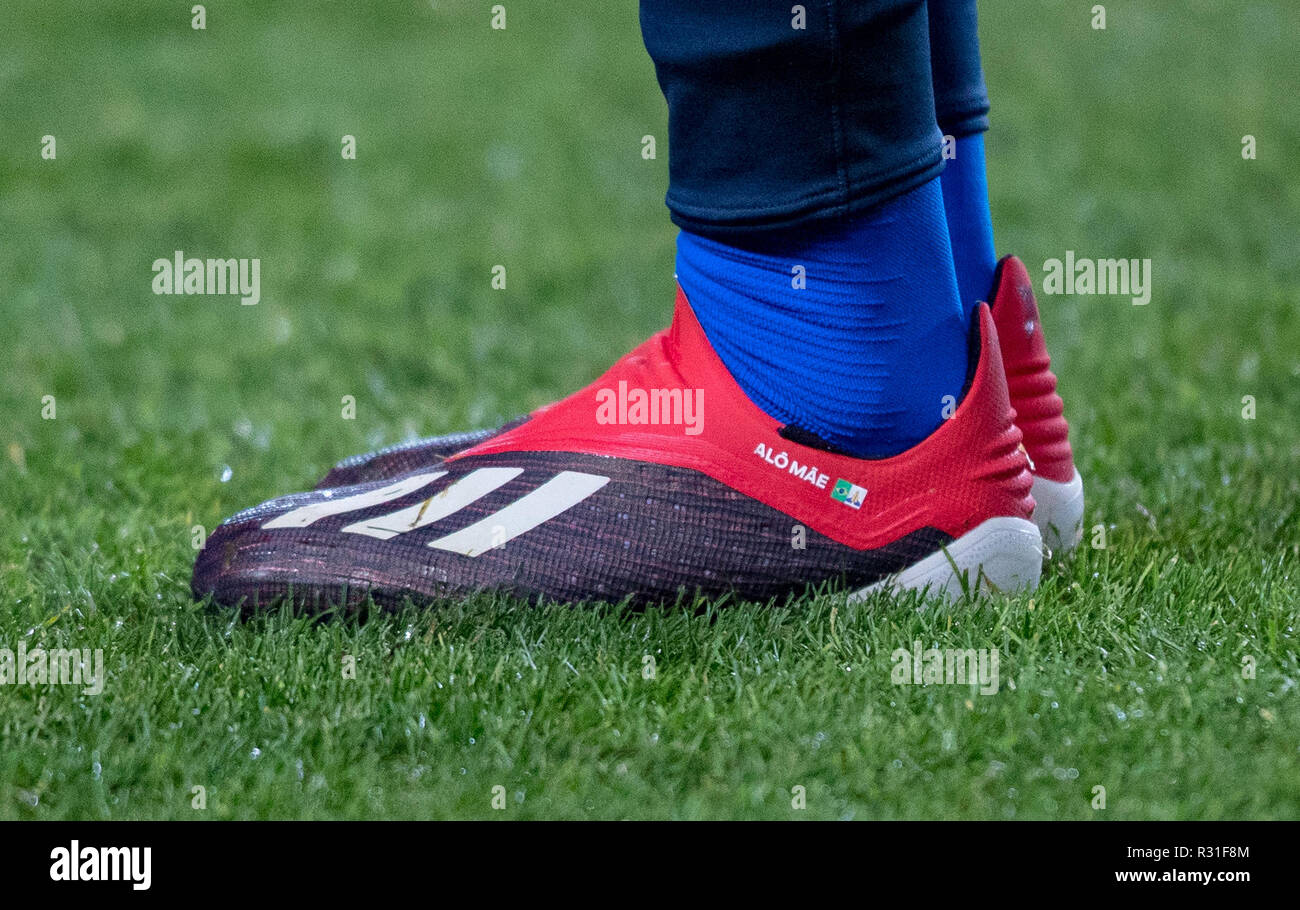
<point x="970" y="225"/>
<point x="853" y="332"/>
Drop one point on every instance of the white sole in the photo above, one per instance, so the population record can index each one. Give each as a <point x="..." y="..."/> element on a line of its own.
<point x="1001" y="555"/>
<point x="1058" y="512"/>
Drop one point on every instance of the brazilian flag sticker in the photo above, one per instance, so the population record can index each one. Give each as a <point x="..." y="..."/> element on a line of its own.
<point x="848" y="493"/>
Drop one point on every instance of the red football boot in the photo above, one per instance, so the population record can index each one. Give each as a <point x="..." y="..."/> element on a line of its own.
<point x="660" y="479"/>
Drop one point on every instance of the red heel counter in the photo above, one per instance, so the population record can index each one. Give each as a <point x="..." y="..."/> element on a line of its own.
<point x="1040" y="413"/>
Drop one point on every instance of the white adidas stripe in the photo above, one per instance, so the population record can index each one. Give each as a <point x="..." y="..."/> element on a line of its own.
<point x="469" y="488"/>
<point x="560" y="493"/>
<point x="301" y="517"/>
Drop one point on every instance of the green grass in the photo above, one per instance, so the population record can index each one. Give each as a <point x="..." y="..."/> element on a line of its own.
<point x="522" y="148"/>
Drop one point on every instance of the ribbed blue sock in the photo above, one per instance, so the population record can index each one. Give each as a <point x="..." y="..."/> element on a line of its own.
<point x="970" y="225"/>
<point x="853" y="332"/>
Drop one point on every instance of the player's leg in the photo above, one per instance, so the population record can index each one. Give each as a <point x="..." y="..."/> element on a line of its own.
<point x="789" y="428"/>
<point x="804" y="166"/>
<point x="961" y="106"/>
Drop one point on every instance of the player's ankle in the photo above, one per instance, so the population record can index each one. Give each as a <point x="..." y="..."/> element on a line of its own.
<point x="853" y="332"/>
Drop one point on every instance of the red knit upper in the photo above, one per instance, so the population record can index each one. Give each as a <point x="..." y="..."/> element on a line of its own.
<point x="970" y="469"/>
